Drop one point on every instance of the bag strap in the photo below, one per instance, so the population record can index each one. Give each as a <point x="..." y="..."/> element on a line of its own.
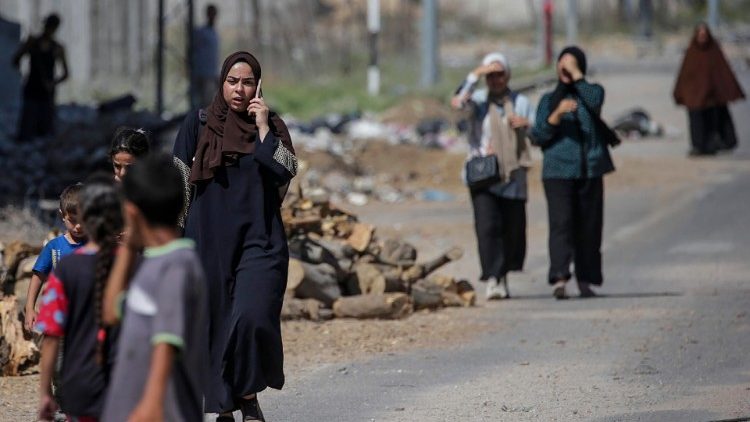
<point x="598" y="119"/>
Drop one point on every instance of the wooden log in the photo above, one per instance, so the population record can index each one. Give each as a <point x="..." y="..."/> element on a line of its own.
<point x="469" y="298"/>
<point x="13" y="253"/>
<point x="361" y="236"/>
<point x="463" y="286"/>
<point x="419" y="271"/>
<point x="304" y="224"/>
<point x="18" y="354"/>
<point x="313" y="281"/>
<point x="25" y="267"/>
<point x="467" y="293"/>
<point x="452" y="299"/>
<point x="426" y="295"/>
<point x="393" y="282"/>
<point x="383" y="306"/>
<point x="21" y="291"/>
<point x="369" y="278"/>
<point x="294" y="309"/>
<point x="397" y="252"/>
<point x="312" y="251"/>
<point x="340" y="249"/>
<point x="447" y="282"/>
<point x="340" y="227"/>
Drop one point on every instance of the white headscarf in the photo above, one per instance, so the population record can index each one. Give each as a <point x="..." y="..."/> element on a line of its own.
<point x="496" y="57"/>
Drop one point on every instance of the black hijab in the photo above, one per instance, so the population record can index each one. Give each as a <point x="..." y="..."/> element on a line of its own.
<point x="562" y="90"/>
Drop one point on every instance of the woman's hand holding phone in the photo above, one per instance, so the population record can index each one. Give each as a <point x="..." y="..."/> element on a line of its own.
<point x="259" y="109"/>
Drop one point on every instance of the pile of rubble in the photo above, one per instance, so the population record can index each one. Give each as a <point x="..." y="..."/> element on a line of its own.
<point x="348" y="141"/>
<point x="39" y="168"/>
<point x="340" y="268"/>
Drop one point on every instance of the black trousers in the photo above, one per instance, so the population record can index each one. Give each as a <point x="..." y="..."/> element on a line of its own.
<point x="576" y="217"/>
<point x="712" y="129"/>
<point x="500" y="225"/>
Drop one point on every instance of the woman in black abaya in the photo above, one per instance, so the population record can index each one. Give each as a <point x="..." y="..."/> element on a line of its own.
<point x="238" y="157"/>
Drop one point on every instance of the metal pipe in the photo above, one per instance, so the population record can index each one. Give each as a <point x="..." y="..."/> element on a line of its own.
<point x="160" y="60"/>
<point x="429" y="43"/>
<point x="713" y="14"/>
<point x="373" y="29"/>
<point x="571" y="21"/>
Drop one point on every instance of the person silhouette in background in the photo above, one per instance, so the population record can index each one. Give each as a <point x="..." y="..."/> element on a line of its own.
<point x="706" y="85"/>
<point x="38" y="109"/>
<point x="205" y="60"/>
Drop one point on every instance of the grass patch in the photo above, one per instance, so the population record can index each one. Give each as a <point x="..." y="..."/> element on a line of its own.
<point x="399" y="79"/>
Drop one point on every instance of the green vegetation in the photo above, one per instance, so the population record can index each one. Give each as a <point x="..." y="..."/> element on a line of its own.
<point x="399" y="79"/>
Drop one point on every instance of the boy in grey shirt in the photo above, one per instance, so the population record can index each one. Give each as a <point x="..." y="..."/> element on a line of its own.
<point x="162" y="352"/>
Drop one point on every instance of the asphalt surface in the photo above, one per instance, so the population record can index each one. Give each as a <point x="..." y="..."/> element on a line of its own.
<point x="667" y="340"/>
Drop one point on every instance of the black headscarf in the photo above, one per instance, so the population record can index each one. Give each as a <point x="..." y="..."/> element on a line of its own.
<point x="562" y="90"/>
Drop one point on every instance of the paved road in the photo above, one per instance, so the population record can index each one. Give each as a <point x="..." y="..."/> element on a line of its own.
<point x="668" y="339"/>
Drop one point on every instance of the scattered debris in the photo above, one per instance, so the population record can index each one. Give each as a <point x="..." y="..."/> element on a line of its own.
<point x="637" y="122"/>
<point x="79" y="147"/>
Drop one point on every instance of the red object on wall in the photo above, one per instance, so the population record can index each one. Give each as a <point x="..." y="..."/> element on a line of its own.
<point x="548" y="8"/>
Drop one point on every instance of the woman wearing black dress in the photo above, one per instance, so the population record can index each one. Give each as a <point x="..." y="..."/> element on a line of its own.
<point x="238" y="157"/>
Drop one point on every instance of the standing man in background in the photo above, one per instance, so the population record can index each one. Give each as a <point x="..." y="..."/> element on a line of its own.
<point x="38" y="109"/>
<point x="205" y="60"/>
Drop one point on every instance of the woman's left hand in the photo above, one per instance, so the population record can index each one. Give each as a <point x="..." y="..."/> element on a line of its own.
<point x="258" y="107"/>
<point x="517" y="122"/>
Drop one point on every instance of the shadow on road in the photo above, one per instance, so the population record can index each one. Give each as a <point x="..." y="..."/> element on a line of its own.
<point x="600" y="296"/>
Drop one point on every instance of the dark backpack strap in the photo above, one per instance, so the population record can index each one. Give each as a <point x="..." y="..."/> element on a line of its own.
<point x="202" y="116"/>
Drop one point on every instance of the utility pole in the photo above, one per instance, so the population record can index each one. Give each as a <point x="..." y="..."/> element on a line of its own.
<point x="713" y="14"/>
<point x="429" y="43"/>
<point x="189" y="55"/>
<point x="373" y="29"/>
<point x="160" y="60"/>
<point x="646" y="15"/>
<point x="538" y="20"/>
<point x="571" y="22"/>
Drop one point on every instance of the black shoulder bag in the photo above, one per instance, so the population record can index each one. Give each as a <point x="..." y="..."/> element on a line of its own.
<point x="482" y="171"/>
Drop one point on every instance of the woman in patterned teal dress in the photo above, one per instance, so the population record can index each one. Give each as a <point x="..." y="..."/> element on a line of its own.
<point x="575" y="159"/>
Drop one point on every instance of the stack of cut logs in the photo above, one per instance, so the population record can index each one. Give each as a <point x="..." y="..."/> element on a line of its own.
<point x="19" y="353"/>
<point x="339" y="268"/>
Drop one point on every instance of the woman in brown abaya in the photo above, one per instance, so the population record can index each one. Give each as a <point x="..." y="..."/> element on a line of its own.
<point x="706" y="85"/>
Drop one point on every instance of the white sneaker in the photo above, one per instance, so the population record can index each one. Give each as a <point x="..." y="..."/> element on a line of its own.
<point x="502" y="288"/>
<point x="558" y="290"/>
<point x="492" y="292"/>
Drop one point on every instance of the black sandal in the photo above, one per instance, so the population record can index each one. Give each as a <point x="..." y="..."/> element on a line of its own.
<point x="251" y="410"/>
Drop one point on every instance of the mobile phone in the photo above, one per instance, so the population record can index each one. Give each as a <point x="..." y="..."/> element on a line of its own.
<point x="258" y="92"/>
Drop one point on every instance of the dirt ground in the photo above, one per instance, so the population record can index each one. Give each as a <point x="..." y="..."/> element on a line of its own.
<point x="311" y="344"/>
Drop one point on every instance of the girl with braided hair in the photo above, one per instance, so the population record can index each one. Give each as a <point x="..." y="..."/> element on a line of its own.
<point x="72" y="307"/>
